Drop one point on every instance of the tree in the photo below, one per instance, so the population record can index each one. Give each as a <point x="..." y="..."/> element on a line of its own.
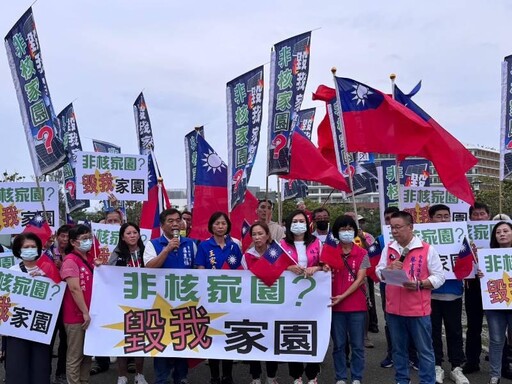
<point x="489" y="194"/>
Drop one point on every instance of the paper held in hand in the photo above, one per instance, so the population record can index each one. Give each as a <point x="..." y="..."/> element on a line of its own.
<point x="395" y="277"/>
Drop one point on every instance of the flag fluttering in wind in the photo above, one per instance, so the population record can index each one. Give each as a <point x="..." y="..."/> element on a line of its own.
<point x="449" y="157"/>
<point x="374" y="122"/>
<point x="307" y="163"/>
<point x="464" y="265"/>
<point x="374" y="253"/>
<point x="331" y="255"/>
<point x="271" y="264"/>
<point x="39" y="227"/>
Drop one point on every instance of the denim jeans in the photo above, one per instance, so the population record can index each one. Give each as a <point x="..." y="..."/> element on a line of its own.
<point x="351" y="324"/>
<point x="163" y="366"/>
<point x="419" y="331"/>
<point x="497" y="320"/>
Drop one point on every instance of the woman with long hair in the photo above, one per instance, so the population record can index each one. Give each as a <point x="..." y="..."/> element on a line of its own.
<point x="27" y="361"/>
<point x="498" y="320"/>
<point x="348" y="263"/>
<point x="77" y="270"/>
<point x="304" y="248"/>
<point x="219" y="252"/>
<point x="260" y="234"/>
<point x="128" y="253"/>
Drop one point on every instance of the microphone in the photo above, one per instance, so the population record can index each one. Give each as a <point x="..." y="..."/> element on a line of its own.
<point x="404" y="253"/>
<point x="176" y="233"/>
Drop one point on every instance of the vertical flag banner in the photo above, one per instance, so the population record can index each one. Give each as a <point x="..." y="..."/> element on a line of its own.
<point x="289" y="69"/>
<point x="191" y="162"/>
<point x="244" y="104"/>
<point x="68" y="133"/>
<point x="506" y="119"/>
<point x="143" y="126"/>
<point x="37" y="113"/>
<point x="293" y="189"/>
<point x="305" y="120"/>
<point x="103" y="146"/>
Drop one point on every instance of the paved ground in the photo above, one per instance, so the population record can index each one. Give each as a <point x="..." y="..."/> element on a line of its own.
<point x="373" y="372"/>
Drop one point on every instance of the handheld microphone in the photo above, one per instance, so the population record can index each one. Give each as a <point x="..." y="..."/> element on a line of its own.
<point x="176" y="233"/>
<point x="404" y="253"/>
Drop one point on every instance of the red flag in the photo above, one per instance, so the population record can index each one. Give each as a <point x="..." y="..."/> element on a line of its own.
<point x="246" y="236"/>
<point x="272" y="264"/>
<point x="465" y="261"/>
<point x="49" y="268"/>
<point x="374" y="253"/>
<point x="307" y="163"/>
<point x="39" y="227"/>
<point x="331" y="255"/>
<point x="325" y="140"/>
<point x="244" y="211"/>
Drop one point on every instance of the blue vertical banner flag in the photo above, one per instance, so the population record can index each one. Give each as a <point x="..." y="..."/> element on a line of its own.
<point x="293" y="189"/>
<point x="191" y="162"/>
<point x="143" y="126"/>
<point x="305" y="120"/>
<point x="104" y="146"/>
<point x="68" y="134"/>
<point x="506" y="119"/>
<point x="37" y="113"/>
<point x="245" y="106"/>
<point x="289" y="70"/>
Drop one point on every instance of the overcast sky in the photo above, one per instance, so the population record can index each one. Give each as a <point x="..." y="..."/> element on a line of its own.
<point x="103" y="53"/>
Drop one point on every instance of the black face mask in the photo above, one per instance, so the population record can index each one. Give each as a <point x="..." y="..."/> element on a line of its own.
<point x="322" y="225"/>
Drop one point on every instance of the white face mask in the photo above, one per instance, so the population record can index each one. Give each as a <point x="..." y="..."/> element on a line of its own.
<point x="298" y="228"/>
<point x="346" y="237"/>
<point x="85" y="245"/>
<point x="29" y="254"/>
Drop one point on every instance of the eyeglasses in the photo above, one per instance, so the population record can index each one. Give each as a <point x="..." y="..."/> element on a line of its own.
<point x="397" y="227"/>
<point x="89" y="237"/>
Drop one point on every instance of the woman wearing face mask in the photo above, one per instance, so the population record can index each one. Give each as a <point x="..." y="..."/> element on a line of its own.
<point x="348" y="263"/>
<point x="128" y="253"/>
<point x="77" y="270"/>
<point x="260" y="234"/>
<point x="305" y="249"/>
<point x="27" y="361"/>
<point x="498" y="320"/>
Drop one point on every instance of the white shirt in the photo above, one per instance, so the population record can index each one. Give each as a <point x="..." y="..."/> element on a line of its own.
<point x="301" y="253"/>
<point x="434" y="265"/>
<point x="320" y="237"/>
<point x="150" y="251"/>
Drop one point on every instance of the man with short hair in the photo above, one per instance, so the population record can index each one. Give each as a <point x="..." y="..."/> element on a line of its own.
<point x="187" y="218"/>
<point x="408" y="306"/>
<point x="321" y="221"/>
<point x="170" y="251"/>
<point x="264" y="212"/>
<point x="114" y="217"/>
<point x="447" y="309"/>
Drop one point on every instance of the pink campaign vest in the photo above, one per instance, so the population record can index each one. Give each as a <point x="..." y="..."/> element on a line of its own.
<point x="70" y="312"/>
<point x="404" y="302"/>
<point x="342" y="280"/>
<point x="312" y="252"/>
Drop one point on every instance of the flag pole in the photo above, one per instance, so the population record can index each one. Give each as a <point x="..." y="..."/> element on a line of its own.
<point x="392" y="77"/>
<point x="279" y="202"/>
<point x="500" y="200"/>
<point x="45" y="216"/>
<point x="346" y="159"/>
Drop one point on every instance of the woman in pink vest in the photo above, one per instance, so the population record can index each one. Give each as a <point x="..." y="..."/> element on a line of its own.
<point x="77" y="270"/>
<point x="348" y="263"/>
<point x="304" y="248"/>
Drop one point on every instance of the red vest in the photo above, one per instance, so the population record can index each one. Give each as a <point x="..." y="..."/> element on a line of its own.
<point x="71" y="314"/>
<point x="342" y="280"/>
<point x="404" y="302"/>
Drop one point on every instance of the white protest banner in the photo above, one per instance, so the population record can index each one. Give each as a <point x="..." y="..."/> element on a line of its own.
<point x="417" y="201"/>
<point x="496" y="265"/>
<point x="480" y="232"/>
<point x="100" y="174"/>
<point x="446" y="238"/>
<point x="20" y="202"/>
<point x="29" y="306"/>
<point x="194" y="313"/>
<point x="108" y="237"/>
<point x="7" y="259"/>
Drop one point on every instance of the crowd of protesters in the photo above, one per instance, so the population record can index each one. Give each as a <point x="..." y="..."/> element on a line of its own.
<point x="414" y="313"/>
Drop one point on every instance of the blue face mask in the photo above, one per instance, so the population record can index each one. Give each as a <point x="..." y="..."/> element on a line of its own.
<point x="29" y="254"/>
<point x="298" y="228"/>
<point x="85" y="245"/>
<point x="346" y="237"/>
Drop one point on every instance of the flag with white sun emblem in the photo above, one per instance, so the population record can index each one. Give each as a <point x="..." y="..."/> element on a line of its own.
<point x="289" y="68"/>
<point x="234" y="259"/>
<point x="272" y="264"/>
<point x="245" y="106"/>
<point x="331" y="255"/>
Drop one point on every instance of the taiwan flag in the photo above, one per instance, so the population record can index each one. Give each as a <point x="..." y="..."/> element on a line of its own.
<point x="157" y="200"/>
<point x="331" y="255"/>
<point x="465" y="261"/>
<point x="450" y="158"/>
<point x="234" y="259"/>
<point x="210" y="192"/>
<point x="272" y="264"/>
<point x="374" y="256"/>
<point x="49" y="268"/>
<point x="39" y="227"/>
<point x="246" y="236"/>
<point x="374" y="122"/>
